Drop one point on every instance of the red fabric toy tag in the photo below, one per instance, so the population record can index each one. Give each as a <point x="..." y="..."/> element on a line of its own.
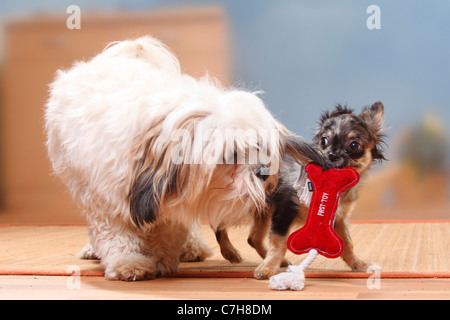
<point x="318" y="232"/>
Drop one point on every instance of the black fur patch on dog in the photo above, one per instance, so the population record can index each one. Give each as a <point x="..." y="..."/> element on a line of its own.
<point x="143" y="200"/>
<point x="145" y="196"/>
<point x="286" y="209"/>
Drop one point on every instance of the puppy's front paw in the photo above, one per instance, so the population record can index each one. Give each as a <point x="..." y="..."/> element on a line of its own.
<point x="360" y="265"/>
<point x="131" y="267"/>
<point x="263" y="272"/>
<point x="285" y="263"/>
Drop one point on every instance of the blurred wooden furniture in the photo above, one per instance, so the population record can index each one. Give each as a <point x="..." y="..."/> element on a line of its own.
<point x="35" y="48"/>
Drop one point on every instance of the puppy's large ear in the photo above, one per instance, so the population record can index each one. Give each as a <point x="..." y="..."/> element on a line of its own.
<point x="373" y="116"/>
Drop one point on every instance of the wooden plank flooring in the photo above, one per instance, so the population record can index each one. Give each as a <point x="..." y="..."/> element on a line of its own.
<point x="418" y="248"/>
<point x="63" y="287"/>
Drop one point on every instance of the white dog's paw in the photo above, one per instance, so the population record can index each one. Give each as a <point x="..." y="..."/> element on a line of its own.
<point x="131" y="267"/>
<point x="87" y="253"/>
<point x="195" y="255"/>
<point x="195" y="248"/>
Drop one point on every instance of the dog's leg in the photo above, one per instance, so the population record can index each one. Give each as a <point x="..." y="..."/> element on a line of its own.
<point x="227" y="250"/>
<point x="258" y="233"/>
<point x="275" y="254"/>
<point x="195" y="247"/>
<point x="87" y="253"/>
<point x="129" y="254"/>
<point x="120" y="252"/>
<point x="349" y="256"/>
<point x="261" y="222"/>
<point x="256" y="237"/>
<point x="164" y="243"/>
<point x="285" y="212"/>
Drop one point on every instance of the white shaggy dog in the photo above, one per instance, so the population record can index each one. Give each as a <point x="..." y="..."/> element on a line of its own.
<point x="146" y="152"/>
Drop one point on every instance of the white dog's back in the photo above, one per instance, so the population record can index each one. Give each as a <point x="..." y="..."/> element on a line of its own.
<point x="147" y="49"/>
<point x="97" y="108"/>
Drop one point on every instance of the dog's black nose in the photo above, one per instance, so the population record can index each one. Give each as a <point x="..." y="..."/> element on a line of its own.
<point x="333" y="157"/>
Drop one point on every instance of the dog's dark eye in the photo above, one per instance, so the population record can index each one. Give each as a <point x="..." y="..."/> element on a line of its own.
<point x="355" y="146"/>
<point x="324" y="142"/>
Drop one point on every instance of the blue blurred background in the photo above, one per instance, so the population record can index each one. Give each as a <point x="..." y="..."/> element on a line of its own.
<point x="309" y="55"/>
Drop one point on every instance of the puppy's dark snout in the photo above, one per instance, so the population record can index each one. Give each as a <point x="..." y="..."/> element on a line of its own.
<point x="333" y="157"/>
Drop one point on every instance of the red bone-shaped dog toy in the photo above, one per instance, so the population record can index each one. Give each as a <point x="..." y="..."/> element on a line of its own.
<point x="317" y="235"/>
<point x="318" y="232"/>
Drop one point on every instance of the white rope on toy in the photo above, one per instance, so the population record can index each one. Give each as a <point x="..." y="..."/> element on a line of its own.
<point x="294" y="277"/>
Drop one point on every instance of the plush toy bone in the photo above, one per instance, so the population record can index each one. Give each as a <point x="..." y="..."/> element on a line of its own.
<point x="317" y="235"/>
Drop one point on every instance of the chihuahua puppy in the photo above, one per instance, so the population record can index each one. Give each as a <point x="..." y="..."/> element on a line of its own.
<point x="345" y="139"/>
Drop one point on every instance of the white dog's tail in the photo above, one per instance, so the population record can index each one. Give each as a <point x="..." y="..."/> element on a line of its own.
<point x="146" y="48"/>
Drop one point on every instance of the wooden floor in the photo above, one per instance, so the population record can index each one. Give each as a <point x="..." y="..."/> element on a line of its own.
<point x="63" y="287"/>
<point x="398" y="248"/>
<point x="95" y="287"/>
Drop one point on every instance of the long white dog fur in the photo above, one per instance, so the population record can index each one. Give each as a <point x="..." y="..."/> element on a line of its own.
<point x="141" y="148"/>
